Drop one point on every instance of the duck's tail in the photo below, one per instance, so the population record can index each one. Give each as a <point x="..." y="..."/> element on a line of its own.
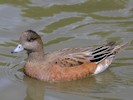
<point x="120" y="47"/>
<point x="110" y="49"/>
<point x="104" y="63"/>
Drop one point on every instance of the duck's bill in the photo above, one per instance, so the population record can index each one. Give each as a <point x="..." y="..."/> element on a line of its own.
<point x="19" y="48"/>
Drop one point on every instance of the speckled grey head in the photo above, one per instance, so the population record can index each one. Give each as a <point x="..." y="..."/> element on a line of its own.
<point x="30" y="41"/>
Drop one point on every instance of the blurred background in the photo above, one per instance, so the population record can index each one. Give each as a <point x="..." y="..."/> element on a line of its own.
<point x="63" y="24"/>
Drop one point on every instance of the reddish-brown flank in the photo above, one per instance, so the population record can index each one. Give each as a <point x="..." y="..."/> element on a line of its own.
<point x="57" y="73"/>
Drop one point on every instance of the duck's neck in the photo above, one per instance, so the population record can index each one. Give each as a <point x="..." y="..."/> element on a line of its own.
<point x="36" y="56"/>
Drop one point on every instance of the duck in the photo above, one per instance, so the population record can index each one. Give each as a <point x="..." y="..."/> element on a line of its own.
<point x="67" y="64"/>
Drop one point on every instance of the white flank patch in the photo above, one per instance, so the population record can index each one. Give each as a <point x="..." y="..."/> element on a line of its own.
<point x="103" y="66"/>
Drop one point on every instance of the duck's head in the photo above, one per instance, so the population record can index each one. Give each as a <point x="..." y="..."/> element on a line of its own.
<point x="29" y="41"/>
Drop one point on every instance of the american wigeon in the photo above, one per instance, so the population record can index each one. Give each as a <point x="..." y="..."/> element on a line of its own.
<point x="66" y="64"/>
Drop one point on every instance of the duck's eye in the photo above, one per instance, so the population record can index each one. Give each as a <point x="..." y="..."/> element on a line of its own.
<point x="30" y="40"/>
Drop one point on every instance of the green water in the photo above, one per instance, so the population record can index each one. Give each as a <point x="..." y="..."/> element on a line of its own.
<point x="63" y="24"/>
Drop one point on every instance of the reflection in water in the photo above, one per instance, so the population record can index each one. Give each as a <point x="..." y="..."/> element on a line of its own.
<point x="37" y="90"/>
<point x="70" y="23"/>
